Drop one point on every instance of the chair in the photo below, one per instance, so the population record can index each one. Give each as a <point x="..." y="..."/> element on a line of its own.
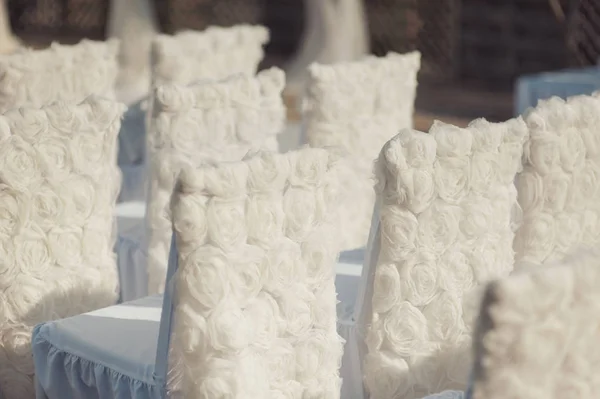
<point x="59" y="185"/>
<point x="185" y="58"/>
<point x="252" y="271"/>
<point x="359" y="106"/>
<point x="215" y="53"/>
<point x="445" y="201"/>
<point x="538" y="332"/>
<point x="210" y="121"/>
<point x="559" y="189"/>
<point x="532" y="88"/>
<point x="69" y="73"/>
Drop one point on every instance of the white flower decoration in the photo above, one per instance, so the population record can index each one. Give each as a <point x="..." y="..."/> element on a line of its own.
<point x="257" y="312"/>
<point x="61" y="72"/>
<point x="358" y="106"/>
<point x="441" y="238"/>
<point x="203" y="123"/>
<point x="558" y="188"/>
<point x="56" y="225"/>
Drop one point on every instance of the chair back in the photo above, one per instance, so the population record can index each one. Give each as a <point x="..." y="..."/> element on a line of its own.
<point x="559" y="187"/>
<point x="254" y="302"/>
<point x="358" y="106"/>
<point x="445" y="202"/>
<point x="214" y="53"/>
<point x="200" y="123"/>
<point x="59" y="183"/>
<point x="538" y="332"/>
<point x="62" y="72"/>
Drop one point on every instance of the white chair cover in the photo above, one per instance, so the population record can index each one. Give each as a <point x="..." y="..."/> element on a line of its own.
<point x="255" y="302"/>
<point x="359" y="106"/>
<point x="559" y="188"/>
<point x="538" y="333"/>
<point x="69" y="73"/>
<point x="215" y="53"/>
<point x="59" y="184"/>
<point x="210" y="121"/>
<point x="445" y="227"/>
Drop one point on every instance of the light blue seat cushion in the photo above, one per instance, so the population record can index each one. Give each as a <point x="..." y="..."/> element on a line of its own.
<point x="109" y="353"/>
<point x="532" y="88"/>
<point x="447" y="395"/>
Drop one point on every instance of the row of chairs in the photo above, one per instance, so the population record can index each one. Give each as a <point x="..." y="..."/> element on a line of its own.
<point x="249" y="304"/>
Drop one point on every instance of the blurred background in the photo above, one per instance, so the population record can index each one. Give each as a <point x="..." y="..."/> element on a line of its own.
<point x="481" y="58"/>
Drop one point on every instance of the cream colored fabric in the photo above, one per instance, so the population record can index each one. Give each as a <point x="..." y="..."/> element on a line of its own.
<point x="538" y="333"/>
<point x="8" y="41"/>
<point x="69" y="73"/>
<point x="255" y="305"/>
<point x="133" y="23"/>
<point x="335" y="31"/>
<point x="215" y="53"/>
<point x="559" y="188"/>
<point x="446" y="201"/>
<point x="59" y="182"/>
<point x="204" y="122"/>
<point x="358" y="106"/>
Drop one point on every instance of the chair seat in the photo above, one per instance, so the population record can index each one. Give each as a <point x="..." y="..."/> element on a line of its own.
<point x="447" y="395"/>
<point x="108" y="353"/>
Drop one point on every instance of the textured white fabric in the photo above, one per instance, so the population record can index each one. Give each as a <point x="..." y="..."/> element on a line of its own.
<point x="255" y="299"/>
<point x="538" y="333"/>
<point x="218" y="121"/>
<point x="214" y="53"/>
<point x="446" y="200"/>
<point x="69" y="73"/>
<point x="359" y="106"/>
<point x="59" y="182"/>
<point x="559" y="188"/>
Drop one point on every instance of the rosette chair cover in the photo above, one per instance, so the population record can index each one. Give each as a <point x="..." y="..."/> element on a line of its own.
<point x="250" y="307"/>
<point x="255" y="302"/>
<point x="359" y="106"/>
<point x="444" y="227"/>
<point x="538" y="333"/>
<point x="559" y="188"/>
<point x="59" y="183"/>
<point x="61" y="72"/>
<point x="203" y="122"/>
<point x="70" y="73"/>
<point x="214" y="53"/>
<point x="187" y="57"/>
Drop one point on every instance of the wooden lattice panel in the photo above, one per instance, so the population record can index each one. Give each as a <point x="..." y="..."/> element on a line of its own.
<point x="584" y="32"/>
<point x="198" y="14"/>
<point x="438" y="37"/>
<point x="393" y="25"/>
<point x="501" y="40"/>
<point x="52" y="19"/>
